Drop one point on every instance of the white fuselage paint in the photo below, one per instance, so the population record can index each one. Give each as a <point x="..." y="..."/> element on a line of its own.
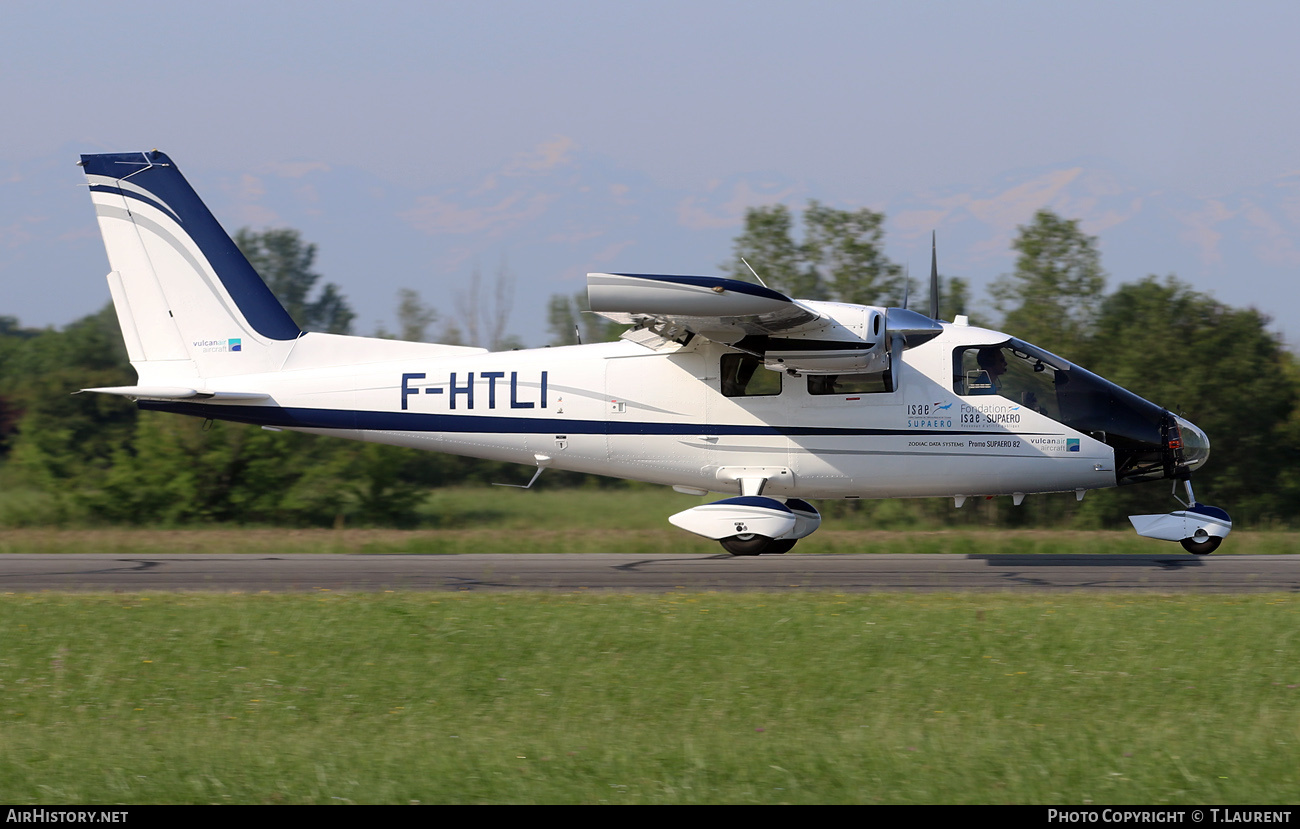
<point x="623" y="410"/>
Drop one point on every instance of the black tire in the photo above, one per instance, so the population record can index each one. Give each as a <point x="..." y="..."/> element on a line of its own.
<point x="749" y="544"/>
<point x="1202" y="548"/>
<point x="781" y="545"/>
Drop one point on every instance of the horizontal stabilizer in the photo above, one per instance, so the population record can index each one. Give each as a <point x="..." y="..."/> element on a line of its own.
<point x="174" y="393"/>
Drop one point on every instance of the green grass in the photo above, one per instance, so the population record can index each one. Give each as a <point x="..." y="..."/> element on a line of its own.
<point x="678" y="698"/>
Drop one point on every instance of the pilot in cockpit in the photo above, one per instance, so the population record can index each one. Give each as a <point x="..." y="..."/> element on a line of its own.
<point x="994" y="363"/>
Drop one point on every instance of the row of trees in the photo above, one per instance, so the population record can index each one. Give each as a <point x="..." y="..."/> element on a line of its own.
<point x="91" y="457"/>
<point x="96" y="458"/>
<point x="840" y="257"/>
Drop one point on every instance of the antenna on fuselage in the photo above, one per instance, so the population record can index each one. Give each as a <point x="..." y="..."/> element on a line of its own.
<point x="907" y="284"/>
<point x="754" y="272"/>
<point x="934" y="279"/>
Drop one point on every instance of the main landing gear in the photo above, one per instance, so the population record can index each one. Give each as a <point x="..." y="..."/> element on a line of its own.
<point x="1199" y="528"/>
<point x="749" y="544"/>
<point x="752" y="525"/>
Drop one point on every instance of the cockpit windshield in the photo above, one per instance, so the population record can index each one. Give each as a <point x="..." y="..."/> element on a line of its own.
<point x="1138" y="430"/>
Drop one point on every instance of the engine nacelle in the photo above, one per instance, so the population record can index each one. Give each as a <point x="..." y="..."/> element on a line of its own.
<point x="832" y="358"/>
<point x="850" y="340"/>
<point x="853" y="339"/>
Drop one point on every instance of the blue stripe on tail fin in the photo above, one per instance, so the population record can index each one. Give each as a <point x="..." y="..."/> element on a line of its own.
<point x="152" y="178"/>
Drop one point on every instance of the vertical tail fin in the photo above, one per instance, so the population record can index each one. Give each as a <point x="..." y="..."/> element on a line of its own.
<point x="189" y="303"/>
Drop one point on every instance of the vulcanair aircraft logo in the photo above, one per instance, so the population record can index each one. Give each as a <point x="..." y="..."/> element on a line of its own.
<point x="211" y="346"/>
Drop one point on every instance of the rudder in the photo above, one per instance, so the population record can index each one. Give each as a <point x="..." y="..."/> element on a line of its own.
<point x="189" y="303"/>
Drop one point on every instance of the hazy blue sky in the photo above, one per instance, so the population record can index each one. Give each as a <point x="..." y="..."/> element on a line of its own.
<point x="864" y="98"/>
<point x="860" y="101"/>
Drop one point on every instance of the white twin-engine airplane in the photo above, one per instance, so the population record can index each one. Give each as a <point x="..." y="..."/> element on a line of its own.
<point x="719" y="386"/>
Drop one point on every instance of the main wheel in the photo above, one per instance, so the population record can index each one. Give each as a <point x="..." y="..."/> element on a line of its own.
<point x="746" y="544"/>
<point x="1202" y="548"/>
<point x="781" y="545"/>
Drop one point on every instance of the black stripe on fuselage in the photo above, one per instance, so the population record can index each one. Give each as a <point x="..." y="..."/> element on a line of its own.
<point x="305" y="418"/>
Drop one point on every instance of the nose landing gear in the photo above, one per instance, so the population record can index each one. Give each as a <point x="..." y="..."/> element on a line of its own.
<point x="1199" y="528"/>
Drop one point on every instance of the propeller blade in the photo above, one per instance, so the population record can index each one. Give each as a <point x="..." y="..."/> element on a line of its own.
<point x="934" y="279"/>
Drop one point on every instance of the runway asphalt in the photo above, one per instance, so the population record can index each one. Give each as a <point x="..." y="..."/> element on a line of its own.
<point x="1169" y="573"/>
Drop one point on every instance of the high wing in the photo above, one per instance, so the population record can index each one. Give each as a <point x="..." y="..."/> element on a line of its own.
<point x="722" y="310"/>
<point x="805" y="336"/>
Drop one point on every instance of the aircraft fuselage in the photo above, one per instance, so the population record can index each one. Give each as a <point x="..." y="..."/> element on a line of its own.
<point x="661" y="417"/>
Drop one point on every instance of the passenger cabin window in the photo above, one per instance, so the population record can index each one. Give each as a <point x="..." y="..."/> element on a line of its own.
<point x="878" y="383"/>
<point x="744" y="376"/>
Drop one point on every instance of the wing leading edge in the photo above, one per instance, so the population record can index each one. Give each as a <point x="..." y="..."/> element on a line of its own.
<point x="801" y="336"/>
<point x="719" y="309"/>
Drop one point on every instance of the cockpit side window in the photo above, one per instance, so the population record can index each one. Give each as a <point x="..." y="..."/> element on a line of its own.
<point x="976" y="370"/>
<point x="742" y="377"/>
<point x="1011" y="370"/>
